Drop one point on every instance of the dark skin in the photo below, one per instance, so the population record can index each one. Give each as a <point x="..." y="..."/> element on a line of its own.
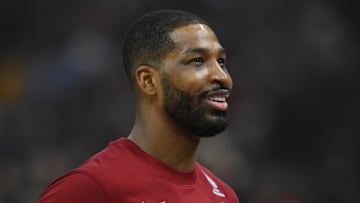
<point x="196" y="63"/>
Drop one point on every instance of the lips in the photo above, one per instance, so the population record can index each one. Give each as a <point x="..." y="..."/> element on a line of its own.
<point x="218" y="99"/>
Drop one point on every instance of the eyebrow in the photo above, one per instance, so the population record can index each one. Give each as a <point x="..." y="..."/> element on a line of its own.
<point x="201" y="50"/>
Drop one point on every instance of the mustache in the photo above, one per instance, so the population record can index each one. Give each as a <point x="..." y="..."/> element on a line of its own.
<point x="218" y="87"/>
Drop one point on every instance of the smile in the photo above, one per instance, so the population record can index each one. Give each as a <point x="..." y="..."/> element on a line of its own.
<point x="218" y="99"/>
<point x="218" y="105"/>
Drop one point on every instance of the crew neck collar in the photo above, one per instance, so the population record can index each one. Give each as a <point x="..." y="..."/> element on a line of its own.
<point x="160" y="168"/>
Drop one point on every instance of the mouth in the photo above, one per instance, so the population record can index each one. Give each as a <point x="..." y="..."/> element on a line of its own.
<point x="218" y="99"/>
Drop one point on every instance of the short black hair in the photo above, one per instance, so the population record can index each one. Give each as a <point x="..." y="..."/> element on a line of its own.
<point x="148" y="40"/>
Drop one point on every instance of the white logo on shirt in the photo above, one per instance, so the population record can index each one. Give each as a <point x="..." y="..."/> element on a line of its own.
<point x="215" y="190"/>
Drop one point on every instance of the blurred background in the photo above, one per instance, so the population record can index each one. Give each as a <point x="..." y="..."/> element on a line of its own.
<point x="294" y="130"/>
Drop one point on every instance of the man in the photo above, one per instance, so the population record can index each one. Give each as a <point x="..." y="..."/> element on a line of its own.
<point x="177" y="70"/>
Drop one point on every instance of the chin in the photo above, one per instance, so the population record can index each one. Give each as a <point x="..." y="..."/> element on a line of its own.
<point x="211" y="127"/>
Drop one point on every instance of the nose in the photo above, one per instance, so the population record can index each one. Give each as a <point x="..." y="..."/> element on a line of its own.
<point x="219" y="74"/>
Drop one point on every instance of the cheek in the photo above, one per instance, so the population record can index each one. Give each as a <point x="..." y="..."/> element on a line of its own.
<point x="187" y="83"/>
<point x="201" y="73"/>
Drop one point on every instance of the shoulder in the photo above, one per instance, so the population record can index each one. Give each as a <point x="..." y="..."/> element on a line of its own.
<point x="92" y="181"/>
<point x="74" y="187"/>
<point x="219" y="186"/>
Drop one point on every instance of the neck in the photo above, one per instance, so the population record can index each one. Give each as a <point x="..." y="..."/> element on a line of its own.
<point x="165" y="141"/>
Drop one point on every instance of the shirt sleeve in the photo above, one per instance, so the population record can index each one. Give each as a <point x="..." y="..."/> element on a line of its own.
<point x="74" y="188"/>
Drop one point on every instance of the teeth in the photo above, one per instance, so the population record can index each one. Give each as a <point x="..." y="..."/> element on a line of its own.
<point x="218" y="99"/>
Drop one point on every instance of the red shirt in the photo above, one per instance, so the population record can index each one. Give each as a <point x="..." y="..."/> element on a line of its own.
<point x="124" y="173"/>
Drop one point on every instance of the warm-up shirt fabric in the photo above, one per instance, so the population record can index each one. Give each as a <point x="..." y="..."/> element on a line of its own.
<point x="124" y="173"/>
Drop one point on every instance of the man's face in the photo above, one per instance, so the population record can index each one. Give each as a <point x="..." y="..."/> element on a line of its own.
<point x="196" y="83"/>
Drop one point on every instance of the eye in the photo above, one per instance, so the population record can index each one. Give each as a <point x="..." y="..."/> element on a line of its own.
<point x="197" y="61"/>
<point x="221" y="62"/>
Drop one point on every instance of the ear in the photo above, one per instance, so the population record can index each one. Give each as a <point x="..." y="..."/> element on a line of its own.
<point x="146" y="79"/>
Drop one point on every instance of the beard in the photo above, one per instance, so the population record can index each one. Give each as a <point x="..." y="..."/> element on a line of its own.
<point x="188" y="112"/>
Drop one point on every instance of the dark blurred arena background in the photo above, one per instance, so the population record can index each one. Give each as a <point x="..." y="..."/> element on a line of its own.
<point x="295" y="107"/>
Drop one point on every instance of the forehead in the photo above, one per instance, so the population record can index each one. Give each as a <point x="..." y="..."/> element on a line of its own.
<point x="196" y="35"/>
